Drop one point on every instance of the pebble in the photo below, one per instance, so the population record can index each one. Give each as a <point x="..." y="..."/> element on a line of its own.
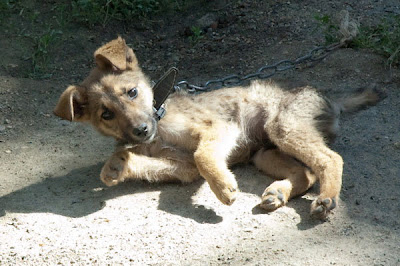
<point x="8" y="151"/>
<point x="206" y="20"/>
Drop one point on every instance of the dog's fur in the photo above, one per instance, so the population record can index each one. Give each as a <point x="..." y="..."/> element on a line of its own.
<point x="284" y="133"/>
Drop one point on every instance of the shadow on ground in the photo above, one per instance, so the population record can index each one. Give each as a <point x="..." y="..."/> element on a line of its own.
<point x="80" y="193"/>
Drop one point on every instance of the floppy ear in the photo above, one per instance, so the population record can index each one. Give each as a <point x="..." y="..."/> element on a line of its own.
<point x="72" y="104"/>
<point x="115" y="56"/>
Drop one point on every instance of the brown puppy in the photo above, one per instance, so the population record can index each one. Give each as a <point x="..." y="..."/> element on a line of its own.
<point x="284" y="133"/>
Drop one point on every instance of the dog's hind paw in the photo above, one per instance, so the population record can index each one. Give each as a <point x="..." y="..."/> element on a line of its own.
<point x="272" y="199"/>
<point x="320" y="208"/>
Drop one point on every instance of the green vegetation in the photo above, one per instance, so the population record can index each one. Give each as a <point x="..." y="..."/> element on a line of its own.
<point x="23" y="19"/>
<point x="329" y="28"/>
<point x="94" y="12"/>
<point x="6" y="6"/>
<point x="63" y="15"/>
<point x="383" y="38"/>
<point x="197" y="35"/>
<point x="40" y="56"/>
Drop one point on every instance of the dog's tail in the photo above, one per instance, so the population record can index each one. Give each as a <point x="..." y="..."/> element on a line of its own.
<point x="359" y="100"/>
<point x="328" y="120"/>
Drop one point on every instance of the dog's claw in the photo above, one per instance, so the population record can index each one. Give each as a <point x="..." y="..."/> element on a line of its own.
<point x="227" y="194"/>
<point x="229" y="198"/>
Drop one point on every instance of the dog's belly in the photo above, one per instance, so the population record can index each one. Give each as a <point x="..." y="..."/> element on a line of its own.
<point x="246" y="148"/>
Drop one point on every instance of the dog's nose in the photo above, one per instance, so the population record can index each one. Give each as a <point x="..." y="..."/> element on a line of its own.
<point x="140" y="131"/>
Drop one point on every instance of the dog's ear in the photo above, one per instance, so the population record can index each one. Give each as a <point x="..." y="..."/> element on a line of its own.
<point x="72" y="104"/>
<point x="115" y="56"/>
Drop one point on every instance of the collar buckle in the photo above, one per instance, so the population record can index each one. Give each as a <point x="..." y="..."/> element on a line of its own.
<point x="160" y="113"/>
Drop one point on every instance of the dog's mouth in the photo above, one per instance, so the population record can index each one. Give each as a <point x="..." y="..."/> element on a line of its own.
<point x="151" y="135"/>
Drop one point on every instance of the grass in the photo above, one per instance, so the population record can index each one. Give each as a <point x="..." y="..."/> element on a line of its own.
<point x="42" y="46"/>
<point x="329" y="28"/>
<point x="6" y="5"/>
<point x="196" y="35"/>
<point x="64" y="15"/>
<point x="6" y="8"/>
<point x="383" y="38"/>
<point x="100" y="12"/>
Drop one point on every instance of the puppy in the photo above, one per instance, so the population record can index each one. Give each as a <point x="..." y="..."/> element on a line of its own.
<point x="284" y="133"/>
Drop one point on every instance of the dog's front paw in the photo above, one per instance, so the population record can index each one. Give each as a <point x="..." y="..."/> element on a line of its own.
<point x="225" y="191"/>
<point x="113" y="171"/>
<point x="321" y="207"/>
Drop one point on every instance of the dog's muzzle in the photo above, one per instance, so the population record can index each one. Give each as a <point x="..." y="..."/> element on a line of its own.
<point x="144" y="133"/>
<point x="141" y="131"/>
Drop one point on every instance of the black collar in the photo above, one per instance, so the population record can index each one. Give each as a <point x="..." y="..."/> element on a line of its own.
<point x="163" y="88"/>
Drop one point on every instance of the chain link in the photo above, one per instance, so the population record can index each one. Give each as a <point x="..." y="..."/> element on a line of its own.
<point x="265" y="72"/>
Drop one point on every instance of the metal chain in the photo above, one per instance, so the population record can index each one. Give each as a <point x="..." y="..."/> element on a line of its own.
<point x="267" y="71"/>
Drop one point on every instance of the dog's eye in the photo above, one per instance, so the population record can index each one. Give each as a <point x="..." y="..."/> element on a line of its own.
<point x="107" y="115"/>
<point x="132" y="93"/>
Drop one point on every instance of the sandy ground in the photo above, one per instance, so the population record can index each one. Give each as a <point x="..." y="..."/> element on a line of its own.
<point x="55" y="210"/>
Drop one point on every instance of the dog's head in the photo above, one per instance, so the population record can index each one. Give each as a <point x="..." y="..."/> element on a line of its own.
<point x="116" y="98"/>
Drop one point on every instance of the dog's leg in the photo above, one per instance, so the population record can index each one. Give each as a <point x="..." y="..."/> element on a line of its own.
<point x="296" y="178"/>
<point x="307" y="145"/>
<point x="211" y="155"/>
<point x="128" y="165"/>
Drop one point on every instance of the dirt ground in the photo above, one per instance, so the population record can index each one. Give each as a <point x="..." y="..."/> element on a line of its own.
<point x="55" y="210"/>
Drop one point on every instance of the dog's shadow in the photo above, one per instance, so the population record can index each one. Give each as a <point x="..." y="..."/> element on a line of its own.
<point x="80" y="193"/>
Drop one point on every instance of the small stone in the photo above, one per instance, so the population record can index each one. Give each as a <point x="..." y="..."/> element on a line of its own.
<point x="397" y="145"/>
<point x="8" y="151"/>
<point x="152" y="68"/>
<point x="206" y="21"/>
<point x="214" y="25"/>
